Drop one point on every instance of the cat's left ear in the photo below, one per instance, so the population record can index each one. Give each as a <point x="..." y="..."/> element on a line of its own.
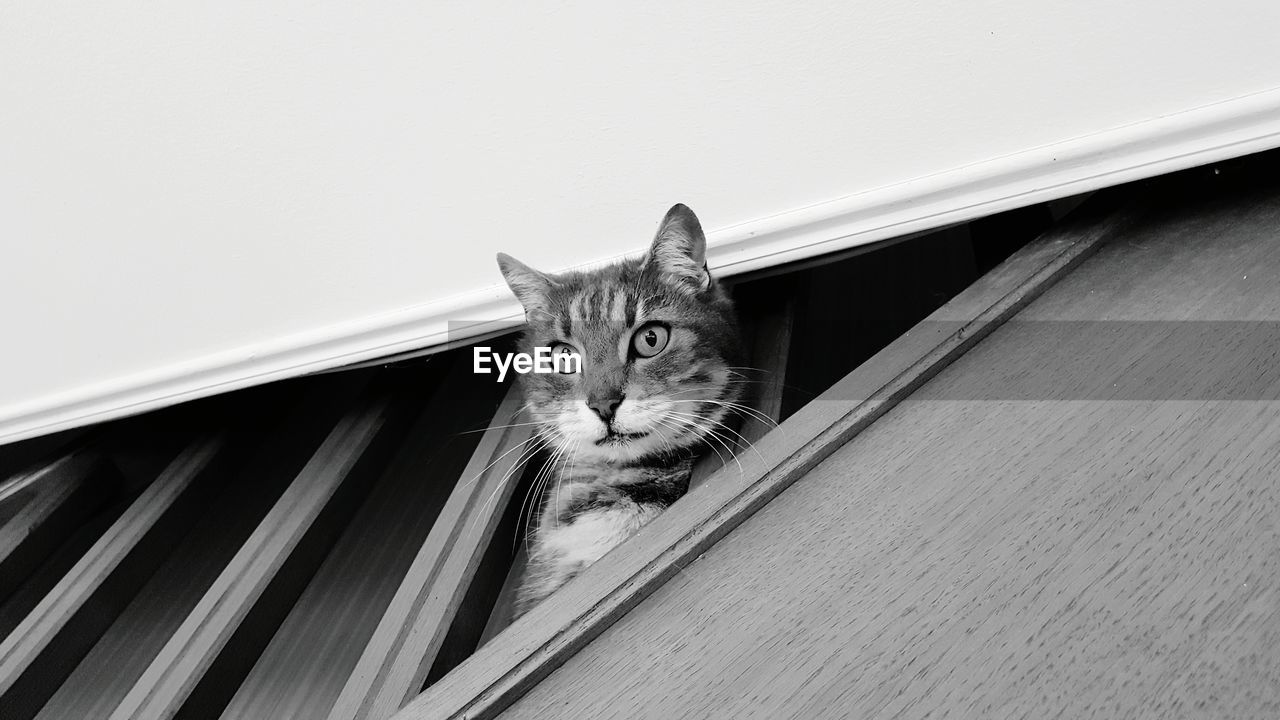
<point x="679" y="250"/>
<point x="529" y="286"/>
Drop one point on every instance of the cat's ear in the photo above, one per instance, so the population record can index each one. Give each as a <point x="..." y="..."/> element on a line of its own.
<point x="679" y="250"/>
<point x="529" y="285"/>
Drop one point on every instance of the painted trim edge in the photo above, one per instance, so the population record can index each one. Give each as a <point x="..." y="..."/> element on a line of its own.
<point x="1219" y="131"/>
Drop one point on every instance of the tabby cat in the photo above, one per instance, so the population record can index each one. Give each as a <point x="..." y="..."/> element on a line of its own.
<point x="656" y="385"/>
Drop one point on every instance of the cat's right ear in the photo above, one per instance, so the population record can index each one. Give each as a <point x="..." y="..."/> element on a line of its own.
<point x="529" y="285"/>
<point x="679" y="250"/>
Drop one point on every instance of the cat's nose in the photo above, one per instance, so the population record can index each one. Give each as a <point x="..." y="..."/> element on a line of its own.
<point x="605" y="405"/>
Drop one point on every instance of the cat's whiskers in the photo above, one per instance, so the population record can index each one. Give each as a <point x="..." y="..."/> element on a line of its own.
<point x="739" y="407"/>
<point x="560" y="476"/>
<point x="554" y="475"/>
<point x="711" y="430"/>
<point x="681" y="428"/>
<point x="745" y="367"/>
<point x="705" y="432"/>
<point x="541" y="480"/>
<point x="529" y="501"/>
<point x="749" y="411"/>
<point x="545" y="474"/>
<point x="535" y="444"/>
<point x="763" y="381"/>
<point x="548" y="434"/>
<point x="539" y="442"/>
<point x="667" y="443"/>
<point x="497" y="427"/>
<point x="678" y="432"/>
<point x="728" y="390"/>
<point x="498" y="459"/>
<point x="744" y="441"/>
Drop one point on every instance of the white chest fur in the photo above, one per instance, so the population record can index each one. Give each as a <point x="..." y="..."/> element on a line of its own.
<point x="592" y="534"/>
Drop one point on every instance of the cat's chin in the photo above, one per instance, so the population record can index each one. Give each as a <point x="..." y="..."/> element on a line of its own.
<point x="620" y="438"/>
<point x="616" y="448"/>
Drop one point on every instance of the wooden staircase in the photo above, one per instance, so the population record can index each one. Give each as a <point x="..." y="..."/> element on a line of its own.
<point x="332" y="546"/>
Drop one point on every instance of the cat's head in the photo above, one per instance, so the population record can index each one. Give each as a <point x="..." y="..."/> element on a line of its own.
<point x="658" y="343"/>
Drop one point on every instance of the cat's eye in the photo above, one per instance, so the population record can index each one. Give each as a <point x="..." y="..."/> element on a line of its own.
<point x="563" y="364"/>
<point x="650" y="339"/>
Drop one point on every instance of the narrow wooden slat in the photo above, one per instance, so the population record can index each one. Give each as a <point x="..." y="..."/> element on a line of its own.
<point x="302" y="671"/>
<point x="266" y="449"/>
<point x="402" y="649"/>
<point x="181" y="664"/>
<point x="58" y="498"/>
<point x="18" y="460"/>
<point x="768" y="338"/>
<point x="769" y="355"/>
<point x="21" y="650"/>
<point x="540" y="641"/>
<point x="505" y="606"/>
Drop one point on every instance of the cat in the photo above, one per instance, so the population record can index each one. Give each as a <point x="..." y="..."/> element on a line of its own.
<point x="658" y="344"/>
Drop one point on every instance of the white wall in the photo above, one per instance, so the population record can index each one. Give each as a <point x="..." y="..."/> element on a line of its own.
<point x="196" y="196"/>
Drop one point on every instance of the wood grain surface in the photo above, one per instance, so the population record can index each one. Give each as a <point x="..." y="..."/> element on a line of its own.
<point x="1082" y="554"/>
<point x="519" y="658"/>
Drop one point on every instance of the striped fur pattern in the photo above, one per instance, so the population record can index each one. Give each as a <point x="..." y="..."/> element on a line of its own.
<point x="657" y="387"/>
